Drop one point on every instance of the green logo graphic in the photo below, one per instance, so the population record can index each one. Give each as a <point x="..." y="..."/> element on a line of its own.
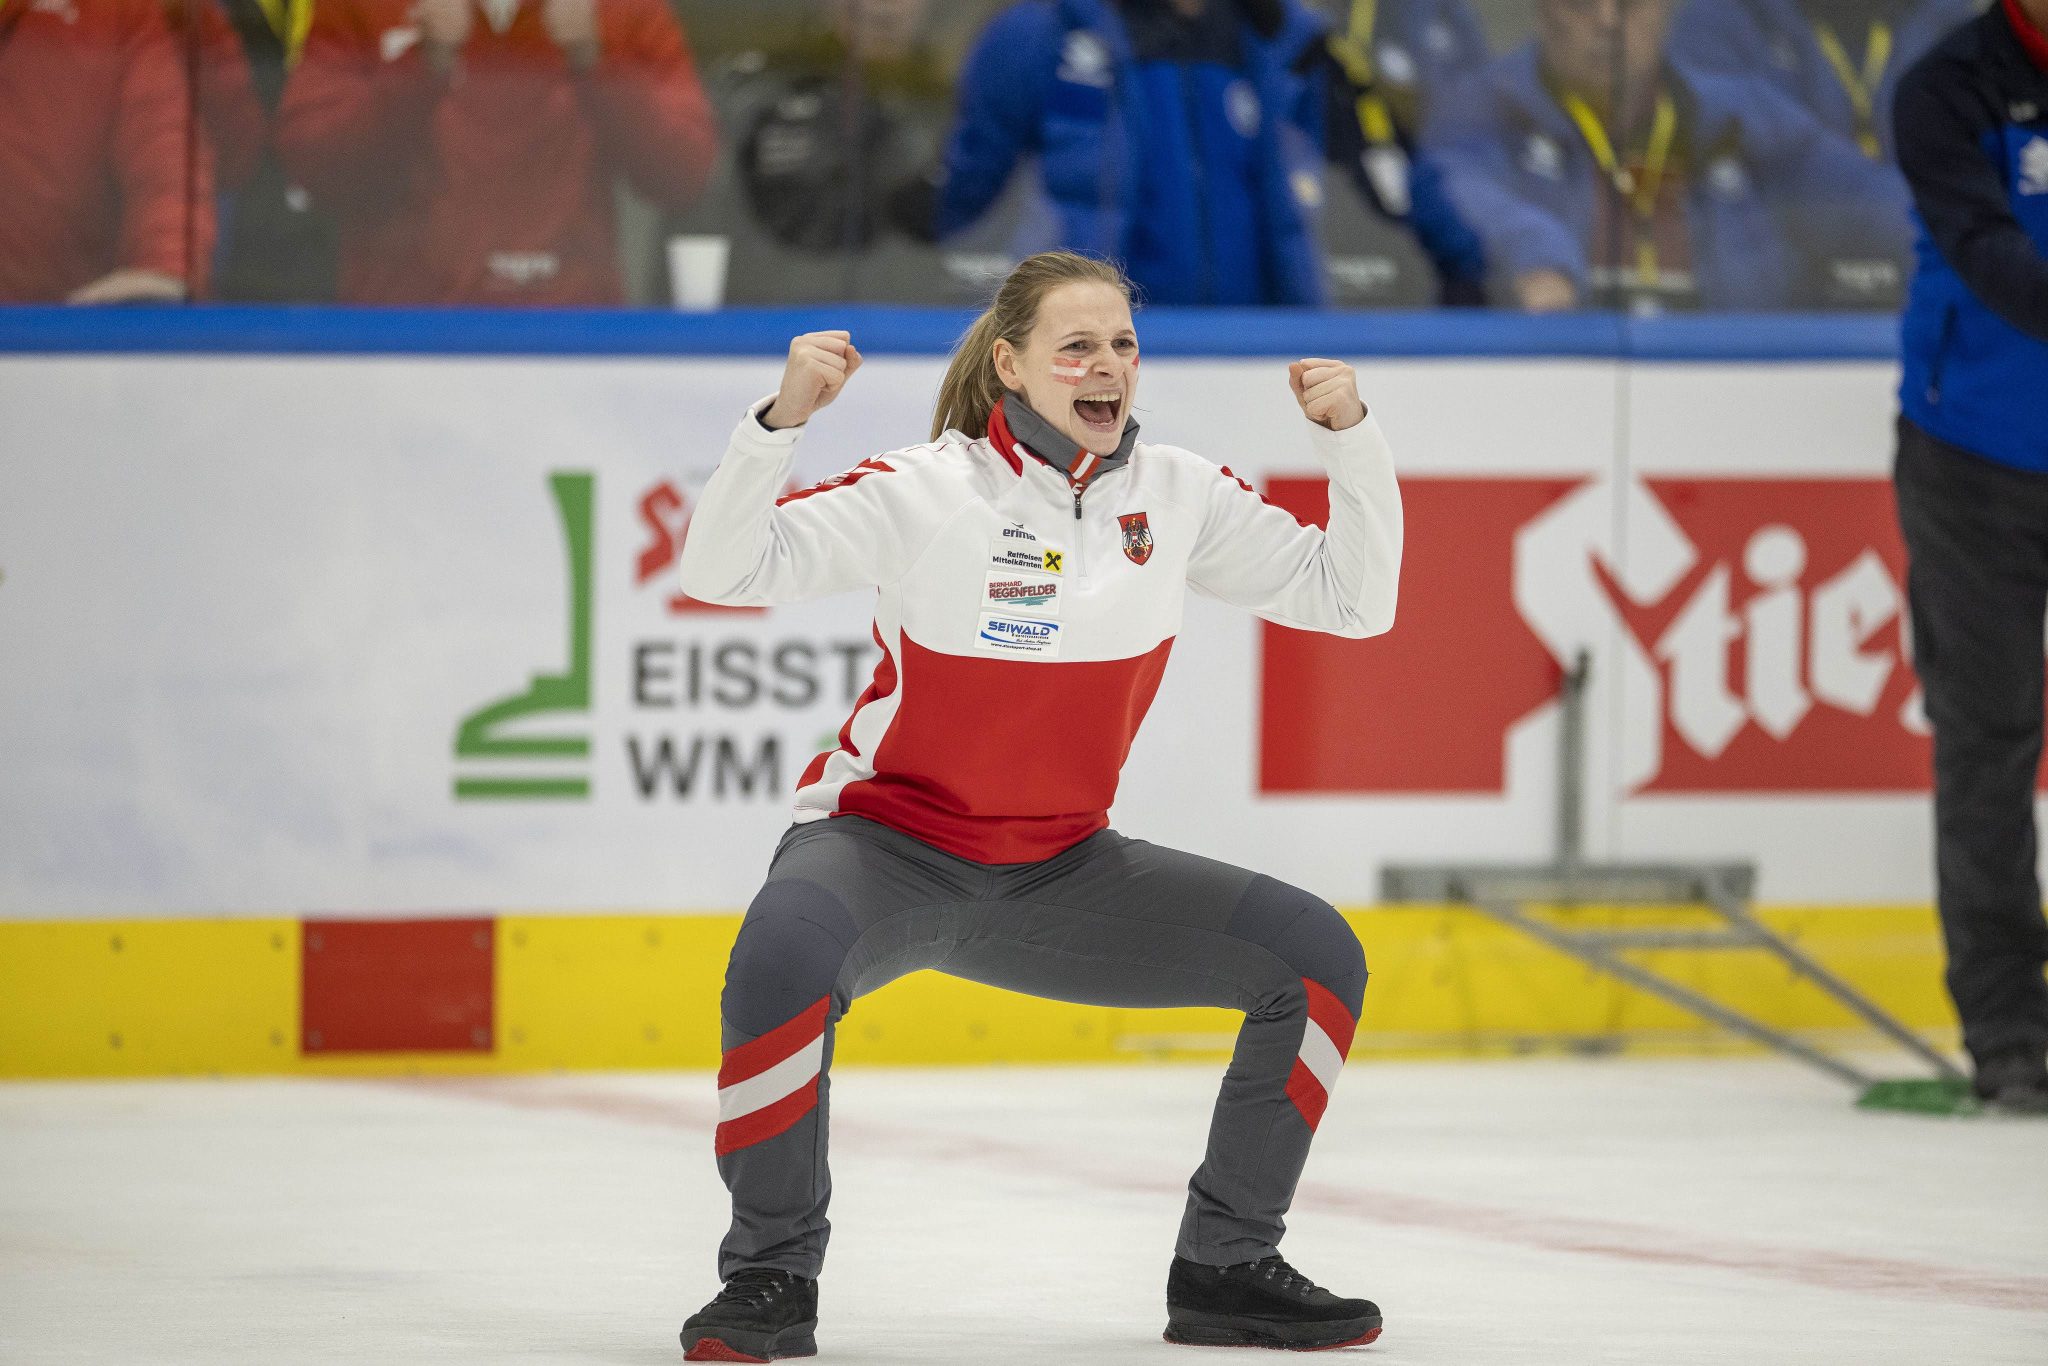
<point x="485" y="742"/>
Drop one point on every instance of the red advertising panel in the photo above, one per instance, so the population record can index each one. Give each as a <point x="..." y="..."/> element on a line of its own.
<point x="1761" y="624"/>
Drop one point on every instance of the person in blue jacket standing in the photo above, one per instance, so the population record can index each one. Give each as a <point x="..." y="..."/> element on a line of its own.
<point x="1971" y="123"/>
<point x="1168" y="137"/>
<point x="1840" y="59"/>
<point x="1600" y="171"/>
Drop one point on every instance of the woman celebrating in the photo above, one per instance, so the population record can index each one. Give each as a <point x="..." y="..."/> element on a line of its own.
<point x="1032" y="560"/>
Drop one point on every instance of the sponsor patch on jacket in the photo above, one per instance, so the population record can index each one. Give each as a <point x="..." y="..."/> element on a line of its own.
<point x="1032" y="594"/>
<point x="1029" y="556"/>
<point x="1005" y="635"/>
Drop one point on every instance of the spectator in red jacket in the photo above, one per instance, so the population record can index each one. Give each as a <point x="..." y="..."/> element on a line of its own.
<point x="469" y="147"/>
<point x="99" y="202"/>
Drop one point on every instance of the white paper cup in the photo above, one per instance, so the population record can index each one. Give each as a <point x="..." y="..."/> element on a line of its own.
<point x="696" y="271"/>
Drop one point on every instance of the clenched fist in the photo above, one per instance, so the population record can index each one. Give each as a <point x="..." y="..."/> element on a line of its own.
<point x="820" y="363"/>
<point x="1327" y="391"/>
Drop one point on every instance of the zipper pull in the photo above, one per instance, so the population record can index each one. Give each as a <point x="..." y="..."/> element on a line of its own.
<point x="1077" y="501"/>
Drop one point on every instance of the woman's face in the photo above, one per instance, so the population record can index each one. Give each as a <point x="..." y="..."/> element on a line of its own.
<point x="1079" y="367"/>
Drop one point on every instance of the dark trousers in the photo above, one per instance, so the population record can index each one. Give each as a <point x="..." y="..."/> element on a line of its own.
<point x="850" y="906"/>
<point x="1977" y="582"/>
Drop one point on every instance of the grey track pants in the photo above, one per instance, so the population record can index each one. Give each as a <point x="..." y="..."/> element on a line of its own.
<point x="851" y="905"/>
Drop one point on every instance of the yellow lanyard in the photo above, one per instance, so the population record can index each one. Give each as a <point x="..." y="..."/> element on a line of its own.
<point x="1364" y="18"/>
<point x="1641" y="193"/>
<point x="1354" y="52"/>
<point x="290" y="20"/>
<point x="1861" y="86"/>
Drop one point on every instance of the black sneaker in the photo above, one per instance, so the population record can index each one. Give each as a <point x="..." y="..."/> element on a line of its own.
<point x="761" y="1315"/>
<point x="2015" y="1081"/>
<point x="1266" y="1303"/>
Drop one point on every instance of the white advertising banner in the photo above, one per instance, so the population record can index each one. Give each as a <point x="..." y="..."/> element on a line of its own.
<point x="403" y="635"/>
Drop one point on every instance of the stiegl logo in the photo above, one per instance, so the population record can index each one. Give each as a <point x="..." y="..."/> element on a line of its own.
<point x="497" y="755"/>
<point x="1748" y="636"/>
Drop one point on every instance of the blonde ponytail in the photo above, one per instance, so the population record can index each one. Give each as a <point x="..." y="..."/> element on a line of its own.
<point x="971" y="389"/>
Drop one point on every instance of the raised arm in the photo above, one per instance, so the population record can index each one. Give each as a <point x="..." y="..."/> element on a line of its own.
<point x="1344" y="580"/>
<point x="750" y="545"/>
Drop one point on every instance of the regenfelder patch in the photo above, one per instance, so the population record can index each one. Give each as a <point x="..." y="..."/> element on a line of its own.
<point x="1030" y="594"/>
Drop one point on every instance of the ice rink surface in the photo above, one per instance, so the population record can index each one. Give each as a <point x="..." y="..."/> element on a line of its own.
<point x="1537" y="1213"/>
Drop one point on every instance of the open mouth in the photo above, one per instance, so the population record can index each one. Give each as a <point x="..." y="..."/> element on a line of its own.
<point x="1101" y="413"/>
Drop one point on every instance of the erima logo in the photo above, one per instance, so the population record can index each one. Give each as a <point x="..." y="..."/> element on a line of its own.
<point x="500" y="731"/>
<point x="1019" y="533"/>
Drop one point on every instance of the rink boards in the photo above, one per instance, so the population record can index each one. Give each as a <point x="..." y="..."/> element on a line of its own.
<point x="381" y="627"/>
<point x="520" y="993"/>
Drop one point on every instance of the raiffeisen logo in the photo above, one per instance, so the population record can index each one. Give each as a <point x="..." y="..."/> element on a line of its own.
<point x="534" y="745"/>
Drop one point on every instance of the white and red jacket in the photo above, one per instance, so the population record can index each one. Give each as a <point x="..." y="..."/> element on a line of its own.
<point x="1024" y="629"/>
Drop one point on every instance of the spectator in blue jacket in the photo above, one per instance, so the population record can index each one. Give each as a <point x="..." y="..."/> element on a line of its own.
<point x="1168" y="136"/>
<point x="1374" y="74"/>
<point x="1841" y="59"/>
<point x="1600" y="172"/>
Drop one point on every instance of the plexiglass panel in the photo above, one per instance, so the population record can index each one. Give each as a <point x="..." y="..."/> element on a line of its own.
<point x="1642" y="155"/>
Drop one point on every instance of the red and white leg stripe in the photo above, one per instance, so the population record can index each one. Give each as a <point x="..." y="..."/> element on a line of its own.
<point x="1325" y="1040"/>
<point x="766" y="1085"/>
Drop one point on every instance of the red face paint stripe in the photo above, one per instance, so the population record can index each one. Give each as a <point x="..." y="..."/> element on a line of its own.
<point x="766" y="1122"/>
<point x="1330" y="1015"/>
<point x="760" y="1054"/>
<point x="1307" y="1094"/>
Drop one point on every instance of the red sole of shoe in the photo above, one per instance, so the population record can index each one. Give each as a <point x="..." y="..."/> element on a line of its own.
<point x="714" y="1349"/>
<point x="1361" y="1341"/>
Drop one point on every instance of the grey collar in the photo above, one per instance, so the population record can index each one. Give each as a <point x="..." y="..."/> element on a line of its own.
<point x="1056" y="448"/>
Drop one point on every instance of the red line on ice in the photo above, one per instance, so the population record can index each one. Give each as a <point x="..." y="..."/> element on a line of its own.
<point x="1548" y="1232"/>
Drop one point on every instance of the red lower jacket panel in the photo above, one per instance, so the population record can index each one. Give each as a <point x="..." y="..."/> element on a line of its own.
<point x="1000" y="761"/>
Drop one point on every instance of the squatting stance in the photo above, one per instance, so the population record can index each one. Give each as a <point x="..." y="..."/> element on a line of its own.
<point x="1031" y="561"/>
